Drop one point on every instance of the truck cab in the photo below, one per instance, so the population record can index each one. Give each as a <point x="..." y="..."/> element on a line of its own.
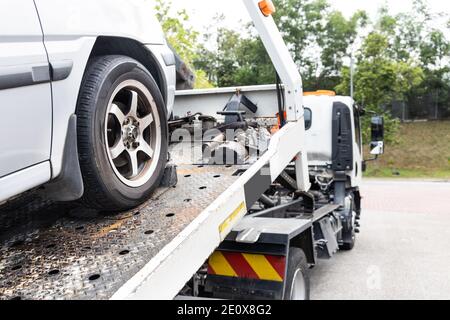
<point x="336" y="161"/>
<point x="336" y="147"/>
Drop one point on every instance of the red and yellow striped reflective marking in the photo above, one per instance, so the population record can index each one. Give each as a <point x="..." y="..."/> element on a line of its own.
<point x="248" y="266"/>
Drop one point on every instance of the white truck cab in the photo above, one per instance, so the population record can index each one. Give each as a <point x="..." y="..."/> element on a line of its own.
<point x="85" y="84"/>
<point x="322" y="109"/>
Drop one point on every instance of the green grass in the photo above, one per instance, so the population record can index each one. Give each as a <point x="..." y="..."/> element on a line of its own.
<point x="407" y="173"/>
<point x="422" y="151"/>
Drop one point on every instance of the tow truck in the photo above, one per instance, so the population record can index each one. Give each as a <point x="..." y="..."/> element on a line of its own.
<point x="246" y="228"/>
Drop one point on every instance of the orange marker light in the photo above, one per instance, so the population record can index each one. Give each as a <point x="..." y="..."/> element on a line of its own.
<point x="320" y="93"/>
<point x="267" y="7"/>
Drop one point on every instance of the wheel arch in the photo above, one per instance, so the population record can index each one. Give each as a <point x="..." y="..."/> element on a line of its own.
<point x="102" y="190"/>
<point x="305" y="241"/>
<point x="110" y="45"/>
<point x="101" y="45"/>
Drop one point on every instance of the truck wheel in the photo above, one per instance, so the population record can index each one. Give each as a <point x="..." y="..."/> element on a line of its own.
<point x="350" y="241"/>
<point x="297" y="280"/>
<point x="349" y="236"/>
<point x="122" y="134"/>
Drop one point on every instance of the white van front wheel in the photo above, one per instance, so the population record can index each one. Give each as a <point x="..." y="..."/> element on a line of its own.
<point x="122" y="134"/>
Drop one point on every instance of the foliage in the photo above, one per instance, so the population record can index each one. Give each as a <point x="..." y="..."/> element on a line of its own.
<point x="337" y="44"/>
<point x="303" y="24"/>
<point x="236" y="61"/>
<point x="420" y="36"/>
<point x="402" y="57"/>
<point x="307" y="26"/>
<point x="183" y="39"/>
<point x="379" y="79"/>
<point x="434" y="49"/>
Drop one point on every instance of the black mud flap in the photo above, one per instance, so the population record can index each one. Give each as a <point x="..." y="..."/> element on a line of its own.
<point x="69" y="185"/>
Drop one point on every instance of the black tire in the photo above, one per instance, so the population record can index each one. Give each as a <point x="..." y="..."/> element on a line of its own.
<point x="349" y="236"/>
<point x="297" y="265"/>
<point x="349" y="245"/>
<point x="104" y="190"/>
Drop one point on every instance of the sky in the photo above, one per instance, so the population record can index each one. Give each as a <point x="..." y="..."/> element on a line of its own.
<point x="202" y="11"/>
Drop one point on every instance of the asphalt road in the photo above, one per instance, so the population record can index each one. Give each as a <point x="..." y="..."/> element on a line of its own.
<point x="403" y="250"/>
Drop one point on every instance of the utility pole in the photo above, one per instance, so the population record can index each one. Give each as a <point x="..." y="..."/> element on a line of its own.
<point x="352" y="70"/>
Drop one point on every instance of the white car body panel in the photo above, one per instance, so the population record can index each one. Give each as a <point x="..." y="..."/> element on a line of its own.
<point x="24" y="180"/>
<point x="65" y="93"/>
<point x="25" y="110"/>
<point x="133" y="19"/>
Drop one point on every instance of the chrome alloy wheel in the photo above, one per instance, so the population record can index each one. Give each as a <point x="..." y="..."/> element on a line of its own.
<point x="133" y="133"/>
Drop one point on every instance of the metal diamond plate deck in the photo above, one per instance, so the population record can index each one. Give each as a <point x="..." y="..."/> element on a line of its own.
<point x="53" y="251"/>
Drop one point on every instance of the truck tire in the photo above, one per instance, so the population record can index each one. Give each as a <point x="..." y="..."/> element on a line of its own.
<point x="349" y="245"/>
<point x="349" y="236"/>
<point x="122" y="134"/>
<point x="297" y="279"/>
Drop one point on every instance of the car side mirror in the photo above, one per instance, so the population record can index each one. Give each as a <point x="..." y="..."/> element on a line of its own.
<point x="377" y="144"/>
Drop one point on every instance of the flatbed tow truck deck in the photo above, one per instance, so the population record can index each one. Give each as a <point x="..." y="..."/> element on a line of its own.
<point x="65" y="252"/>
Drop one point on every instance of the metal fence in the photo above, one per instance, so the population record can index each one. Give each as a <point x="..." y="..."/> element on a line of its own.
<point x="431" y="106"/>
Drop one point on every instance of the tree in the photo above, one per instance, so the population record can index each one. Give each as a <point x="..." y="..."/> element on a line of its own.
<point x="419" y="36"/>
<point x="318" y="38"/>
<point x="405" y="31"/>
<point x="302" y="23"/>
<point x="237" y="60"/>
<point x="403" y="58"/>
<point x="319" y="41"/>
<point x="183" y="39"/>
<point x="434" y="49"/>
<point x="379" y="80"/>
<point x="435" y="52"/>
<point x="337" y="43"/>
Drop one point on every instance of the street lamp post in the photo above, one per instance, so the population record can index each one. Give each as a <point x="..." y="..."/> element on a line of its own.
<point x="352" y="70"/>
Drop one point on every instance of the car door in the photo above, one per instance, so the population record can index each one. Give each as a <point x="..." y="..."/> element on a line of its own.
<point x="25" y="89"/>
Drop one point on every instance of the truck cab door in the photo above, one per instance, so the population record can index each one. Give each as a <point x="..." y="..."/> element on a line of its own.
<point x="358" y="151"/>
<point x="25" y="89"/>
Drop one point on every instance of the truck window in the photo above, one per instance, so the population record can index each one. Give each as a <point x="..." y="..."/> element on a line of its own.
<point x="308" y="118"/>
